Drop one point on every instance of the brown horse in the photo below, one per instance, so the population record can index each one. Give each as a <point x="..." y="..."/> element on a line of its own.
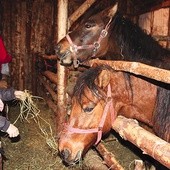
<point x="101" y="33"/>
<point x="101" y="94"/>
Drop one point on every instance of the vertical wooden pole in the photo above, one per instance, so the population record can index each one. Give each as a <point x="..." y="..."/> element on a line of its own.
<point x="61" y="70"/>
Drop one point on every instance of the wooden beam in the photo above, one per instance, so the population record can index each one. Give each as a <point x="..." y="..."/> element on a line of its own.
<point x="48" y="88"/>
<point x="51" y="76"/>
<point x="51" y="104"/>
<point x="50" y="57"/>
<point x="108" y="157"/>
<point x="150" y="144"/>
<point x="80" y="11"/>
<point x="136" y="68"/>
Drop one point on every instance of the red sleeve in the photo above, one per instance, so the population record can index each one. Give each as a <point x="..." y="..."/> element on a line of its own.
<point x="4" y="56"/>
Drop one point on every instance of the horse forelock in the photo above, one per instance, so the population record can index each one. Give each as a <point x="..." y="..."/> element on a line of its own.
<point x="87" y="80"/>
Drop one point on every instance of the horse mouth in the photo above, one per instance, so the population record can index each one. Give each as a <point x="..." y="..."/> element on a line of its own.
<point x="75" y="161"/>
<point x="63" y="56"/>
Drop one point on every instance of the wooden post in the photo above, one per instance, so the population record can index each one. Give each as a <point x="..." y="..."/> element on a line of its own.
<point x="62" y="25"/>
<point x="62" y="18"/>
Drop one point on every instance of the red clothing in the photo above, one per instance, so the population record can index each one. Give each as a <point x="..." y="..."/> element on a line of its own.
<point x="4" y="56"/>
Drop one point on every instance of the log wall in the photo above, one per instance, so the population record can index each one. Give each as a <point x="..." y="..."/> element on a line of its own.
<point x="157" y="24"/>
<point x="28" y="28"/>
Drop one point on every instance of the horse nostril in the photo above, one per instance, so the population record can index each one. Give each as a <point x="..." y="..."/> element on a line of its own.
<point x="65" y="154"/>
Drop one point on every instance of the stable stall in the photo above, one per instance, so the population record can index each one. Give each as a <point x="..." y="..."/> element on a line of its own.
<point x="31" y="37"/>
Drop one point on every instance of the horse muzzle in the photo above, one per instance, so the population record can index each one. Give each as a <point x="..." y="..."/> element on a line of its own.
<point x="65" y="154"/>
<point x="70" y="150"/>
<point x="63" y="55"/>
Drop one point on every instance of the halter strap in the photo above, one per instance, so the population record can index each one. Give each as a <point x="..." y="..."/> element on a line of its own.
<point x="95" y="46"/>
<point x="98" y="130"/>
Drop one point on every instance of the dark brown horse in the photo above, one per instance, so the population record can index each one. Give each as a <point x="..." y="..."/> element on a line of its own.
<point x="98" y="35"/>
<point x="100" y="95"/>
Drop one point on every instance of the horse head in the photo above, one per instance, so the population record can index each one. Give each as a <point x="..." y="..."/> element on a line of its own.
<point x="90" y="118"/>
<point x="88" y="40"/>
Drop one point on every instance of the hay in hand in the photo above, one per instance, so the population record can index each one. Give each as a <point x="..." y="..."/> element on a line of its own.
<point x="29" y="110"/>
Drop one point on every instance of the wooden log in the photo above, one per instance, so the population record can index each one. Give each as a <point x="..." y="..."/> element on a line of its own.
<point x="150" y="144"/>
<point x="136" y="68"/>
<point x="50" y="57"/>
<point x="48" y="88"/>
<point x="80" y="11"/>
<point x="48" y="100"/>
<point x="108" y="157"/>
<point x="51" y="104"/>
<point x="93" y="161"/>
<point x="51" y="76"/>
<point x="61" y="70"/>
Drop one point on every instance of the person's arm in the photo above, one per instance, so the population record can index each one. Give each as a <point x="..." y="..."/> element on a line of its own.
<point x="10" y="94"/>
<point x="7" y="94"/>
<point x="4" y="123"/>
<point x="5" y="57"/>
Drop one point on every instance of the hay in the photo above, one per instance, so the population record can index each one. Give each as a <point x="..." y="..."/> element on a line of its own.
<point x="29" y="110"/>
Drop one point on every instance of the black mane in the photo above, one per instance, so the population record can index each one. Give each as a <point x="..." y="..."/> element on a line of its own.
<point x="162" y="113"/>
<point x="87" y="79"/>
<point x="136" y="45"/>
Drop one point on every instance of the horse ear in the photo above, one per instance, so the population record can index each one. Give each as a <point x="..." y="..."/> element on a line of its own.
<point x="103" y="79"/>
<point x="112" y="11"/>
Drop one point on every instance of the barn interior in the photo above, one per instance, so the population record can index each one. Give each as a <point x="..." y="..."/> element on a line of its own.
<point x="30" y="33"/>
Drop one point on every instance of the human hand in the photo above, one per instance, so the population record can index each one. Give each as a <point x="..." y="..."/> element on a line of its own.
<point x="20" y="95"/>
<point x="12" y="131"/>
<point x="3" y="84"/>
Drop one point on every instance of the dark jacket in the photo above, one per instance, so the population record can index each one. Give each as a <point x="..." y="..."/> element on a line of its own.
<point x="6" y="95"/>
<point x="4" y="123"/>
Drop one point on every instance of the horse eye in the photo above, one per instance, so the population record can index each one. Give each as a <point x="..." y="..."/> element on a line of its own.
<point x="88" y="109"/>
<point x="87" y="25"/>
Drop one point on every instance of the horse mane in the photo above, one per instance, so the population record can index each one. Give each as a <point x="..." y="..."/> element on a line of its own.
<point x="162" y="112"/>
<point x="136" y="45"/>
<point x="87" y="79"/>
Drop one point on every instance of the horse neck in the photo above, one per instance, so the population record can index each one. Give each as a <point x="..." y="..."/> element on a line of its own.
<point x="135" y="45"/>
<point x="121" y="91"/>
